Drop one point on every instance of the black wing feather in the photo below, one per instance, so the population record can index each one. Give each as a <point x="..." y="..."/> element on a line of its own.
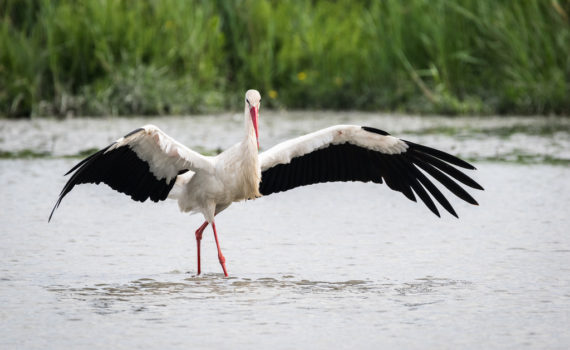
<point x="406" y="172"/>
<point x="446" y="168"/>
<point x="122" y="170"/>
<point x="446" y="181"/>
<point x="401" y="172"/>
<point x="435" y="192"/>
<point x="441" y="155"/>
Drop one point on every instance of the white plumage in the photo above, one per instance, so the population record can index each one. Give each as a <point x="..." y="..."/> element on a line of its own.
<point x="164" y="155"/>
<point x="147" y="163"/>
<point x="334" y="135"/>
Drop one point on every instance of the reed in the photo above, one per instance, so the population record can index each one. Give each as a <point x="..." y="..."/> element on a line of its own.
<point x="119" y="57"/>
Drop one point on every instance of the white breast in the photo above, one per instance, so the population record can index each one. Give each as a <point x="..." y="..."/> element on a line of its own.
<point x="238" y="169"/>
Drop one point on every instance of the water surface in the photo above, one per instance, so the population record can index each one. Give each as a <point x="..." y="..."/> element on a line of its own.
<point x="328" y="266"/>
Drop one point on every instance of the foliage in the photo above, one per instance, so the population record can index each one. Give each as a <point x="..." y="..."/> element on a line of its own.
<point x="120" y="57"/>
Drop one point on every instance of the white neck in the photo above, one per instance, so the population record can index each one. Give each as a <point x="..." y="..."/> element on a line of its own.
<point x="250" y="156"/>
<point x="249" y="129"/>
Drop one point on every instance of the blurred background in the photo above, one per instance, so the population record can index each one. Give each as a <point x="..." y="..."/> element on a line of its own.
<point x="112" y="57"/>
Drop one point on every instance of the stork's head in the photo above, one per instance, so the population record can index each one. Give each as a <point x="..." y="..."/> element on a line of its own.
<point x="252" y="102"/>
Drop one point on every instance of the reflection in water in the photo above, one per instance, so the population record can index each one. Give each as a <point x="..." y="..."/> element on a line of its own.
<point x="113" y="298"/>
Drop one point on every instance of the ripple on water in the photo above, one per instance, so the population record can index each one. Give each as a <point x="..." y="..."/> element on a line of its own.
<point x="144" y="294"/>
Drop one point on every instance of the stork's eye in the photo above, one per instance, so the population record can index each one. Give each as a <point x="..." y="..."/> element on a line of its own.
<point x="246" y="100"/>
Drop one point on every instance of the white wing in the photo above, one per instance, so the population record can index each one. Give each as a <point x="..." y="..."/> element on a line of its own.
<point x="143" y="164"/>
<point x="355" y="153"/>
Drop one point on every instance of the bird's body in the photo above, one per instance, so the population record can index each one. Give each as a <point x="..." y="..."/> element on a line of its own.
<point x="235" y="176"/>
<point x="147" y="163"/>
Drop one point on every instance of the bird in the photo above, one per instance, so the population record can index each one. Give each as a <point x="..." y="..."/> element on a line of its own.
<point x="146" y="164"/>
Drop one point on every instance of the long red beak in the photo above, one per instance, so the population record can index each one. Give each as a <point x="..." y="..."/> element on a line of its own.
<point x="253" y="112"/>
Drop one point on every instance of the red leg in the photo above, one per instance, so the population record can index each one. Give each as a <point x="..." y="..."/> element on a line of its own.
<point x="220" y="255"/>
<point x="198" y="240"/>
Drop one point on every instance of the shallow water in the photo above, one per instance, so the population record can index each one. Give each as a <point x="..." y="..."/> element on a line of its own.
<point x="489" y="138"/>
<point x="328" y="266"/>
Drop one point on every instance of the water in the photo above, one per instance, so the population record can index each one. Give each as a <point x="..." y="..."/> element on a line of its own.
<point x="328" y="266"/>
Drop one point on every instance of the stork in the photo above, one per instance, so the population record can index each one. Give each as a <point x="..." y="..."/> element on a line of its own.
<point x="147" y="163"/>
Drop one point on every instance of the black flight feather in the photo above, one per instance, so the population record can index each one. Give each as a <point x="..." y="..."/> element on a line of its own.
<point x="400" y="172"/>
<point x="122" y="170"/>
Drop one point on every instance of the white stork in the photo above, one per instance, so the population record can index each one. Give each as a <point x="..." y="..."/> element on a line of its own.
<point x="147" y="163"/>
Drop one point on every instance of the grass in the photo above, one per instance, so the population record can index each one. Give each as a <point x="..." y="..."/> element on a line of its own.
<point x="119" y="57"/>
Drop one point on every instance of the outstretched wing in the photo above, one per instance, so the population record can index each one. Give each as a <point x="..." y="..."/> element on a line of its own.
<point x="143" y="164"/>
<point x="355" y="153"/>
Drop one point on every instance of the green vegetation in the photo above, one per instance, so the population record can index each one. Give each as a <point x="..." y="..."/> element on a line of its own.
<point x="546" y="130"/>
<point x="25" y="154"/>
<point x="514" y="156"/>
<point x="32" y="154"/>
<point x="526" y="159"/>
<point x="119" y="57"/>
